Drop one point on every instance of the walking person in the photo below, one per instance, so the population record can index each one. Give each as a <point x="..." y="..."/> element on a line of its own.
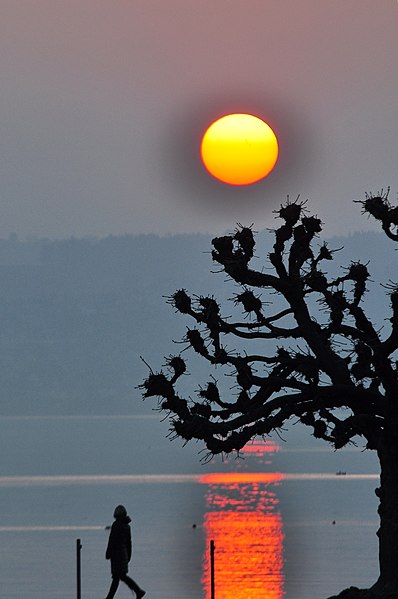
<point x="119" y="553"/>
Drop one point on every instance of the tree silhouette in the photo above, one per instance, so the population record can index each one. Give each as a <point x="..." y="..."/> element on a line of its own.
<point x="315" y="355"/>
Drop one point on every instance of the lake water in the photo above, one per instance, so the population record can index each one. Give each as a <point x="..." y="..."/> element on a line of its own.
<point x="283" y="523"/>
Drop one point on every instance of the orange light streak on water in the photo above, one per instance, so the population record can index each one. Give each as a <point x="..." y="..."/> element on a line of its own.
<point x="228" y="478"/>
<point x="243" y="520"/>
<point x="260" y="448"/>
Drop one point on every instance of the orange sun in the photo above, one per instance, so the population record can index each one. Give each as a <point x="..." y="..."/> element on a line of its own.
<point x="239" y="149"/>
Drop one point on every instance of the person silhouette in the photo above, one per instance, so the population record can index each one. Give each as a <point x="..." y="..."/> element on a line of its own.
<point x="119" y="551"/>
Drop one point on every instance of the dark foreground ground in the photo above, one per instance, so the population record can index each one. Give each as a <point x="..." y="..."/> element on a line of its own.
<point x="355" y="593"/>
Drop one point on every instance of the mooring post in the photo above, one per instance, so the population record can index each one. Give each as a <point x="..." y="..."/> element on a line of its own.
<point x="78" y="569"/>
<point x="212" y="549"/>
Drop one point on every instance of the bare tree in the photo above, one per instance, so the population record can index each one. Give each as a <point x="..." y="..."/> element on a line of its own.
<point x="322" y="360"/>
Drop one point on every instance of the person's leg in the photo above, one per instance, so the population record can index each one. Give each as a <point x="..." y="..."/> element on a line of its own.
<point x="113" y="589"/>
<point x="133" y="586"/>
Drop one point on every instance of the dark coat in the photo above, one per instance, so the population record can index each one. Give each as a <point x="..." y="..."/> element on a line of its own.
<point x="119" y="546"/>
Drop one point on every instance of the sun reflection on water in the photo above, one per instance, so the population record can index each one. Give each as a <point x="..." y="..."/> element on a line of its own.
<point x="243" y="519"/>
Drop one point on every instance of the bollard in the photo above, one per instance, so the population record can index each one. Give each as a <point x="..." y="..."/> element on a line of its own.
<point x="78" y="569"/>
<point x="212" y="549"/>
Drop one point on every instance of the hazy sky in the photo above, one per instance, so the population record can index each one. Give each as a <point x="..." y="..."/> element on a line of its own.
<point x="103" y="103"/>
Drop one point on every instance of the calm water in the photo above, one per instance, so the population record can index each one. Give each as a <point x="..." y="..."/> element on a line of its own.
<point x="271" y="515"/>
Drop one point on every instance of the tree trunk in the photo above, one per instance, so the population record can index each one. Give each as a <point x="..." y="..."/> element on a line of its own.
<point x="388" y="511"/>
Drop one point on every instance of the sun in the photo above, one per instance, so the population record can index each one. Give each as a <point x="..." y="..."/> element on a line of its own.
<point x="239" y="149"/>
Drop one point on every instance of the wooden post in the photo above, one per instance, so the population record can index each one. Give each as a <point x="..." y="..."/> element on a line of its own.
<point x="212" y="549"/>
<point x="78" y="569"/>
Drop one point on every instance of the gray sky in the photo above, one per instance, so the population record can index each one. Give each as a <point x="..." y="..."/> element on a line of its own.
<point x="103" y="104"/>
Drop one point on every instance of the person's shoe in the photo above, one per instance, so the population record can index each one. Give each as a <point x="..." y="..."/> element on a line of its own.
<point x="140" y="594"/>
